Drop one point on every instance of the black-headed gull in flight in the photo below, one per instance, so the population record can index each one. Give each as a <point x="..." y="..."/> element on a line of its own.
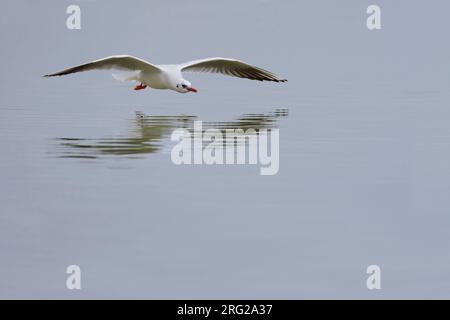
<point x="170" y="76"/>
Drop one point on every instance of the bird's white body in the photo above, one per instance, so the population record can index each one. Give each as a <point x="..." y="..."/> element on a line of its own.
<point x="167" y="77"/>
<point x="170" y="76"/>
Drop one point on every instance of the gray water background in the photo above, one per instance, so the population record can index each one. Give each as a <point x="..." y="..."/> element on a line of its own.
<point x="364" y="152"/>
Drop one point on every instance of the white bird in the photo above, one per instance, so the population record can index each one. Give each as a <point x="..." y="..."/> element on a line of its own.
<point x="170" y="76"/>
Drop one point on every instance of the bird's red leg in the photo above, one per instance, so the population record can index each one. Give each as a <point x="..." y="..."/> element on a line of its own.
<point x="140" y="86"/>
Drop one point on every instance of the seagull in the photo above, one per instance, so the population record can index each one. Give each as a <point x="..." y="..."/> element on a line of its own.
<point x="170" y="76"/>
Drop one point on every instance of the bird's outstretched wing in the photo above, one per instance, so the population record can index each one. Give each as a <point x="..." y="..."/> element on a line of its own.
<point x="230" y="67"/>
<point x="122" y="62"/>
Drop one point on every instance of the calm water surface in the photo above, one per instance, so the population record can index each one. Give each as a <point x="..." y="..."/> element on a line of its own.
<point x="86" y="175"/>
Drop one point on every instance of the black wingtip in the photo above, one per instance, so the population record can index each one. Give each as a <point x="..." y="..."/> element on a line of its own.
<point x="50" y="75"/>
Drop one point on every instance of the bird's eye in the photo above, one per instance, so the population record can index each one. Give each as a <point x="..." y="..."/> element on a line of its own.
<point x="184" y="86"/>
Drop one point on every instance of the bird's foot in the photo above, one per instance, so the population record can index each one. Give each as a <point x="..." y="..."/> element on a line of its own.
<point x="140" y="86"/>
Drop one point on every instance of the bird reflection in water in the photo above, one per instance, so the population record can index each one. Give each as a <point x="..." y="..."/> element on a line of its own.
<point x="151" y="134"/>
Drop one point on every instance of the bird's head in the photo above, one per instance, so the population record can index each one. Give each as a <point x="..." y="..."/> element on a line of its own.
<point x="185" y="86"/>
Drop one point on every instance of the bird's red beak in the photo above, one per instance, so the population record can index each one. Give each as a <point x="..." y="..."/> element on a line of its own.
<point x="192" y="89"/>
